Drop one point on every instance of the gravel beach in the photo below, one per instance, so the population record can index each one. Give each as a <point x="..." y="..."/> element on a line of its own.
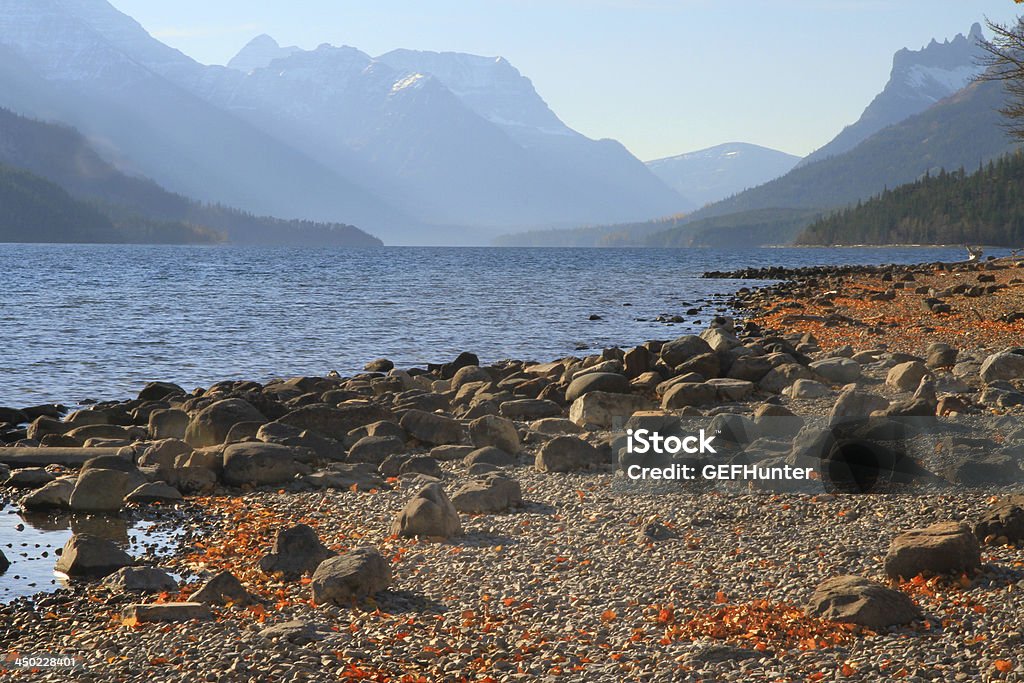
<point x="459" y="523"/>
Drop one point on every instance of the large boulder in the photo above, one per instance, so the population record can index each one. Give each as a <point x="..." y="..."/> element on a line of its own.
<point x="211" y="425"/>
<point x="689" y="394"/>
<point x="223" y="589"/>
<point x="357" y="574"/>
<point x="54" y="496"/>
<point x="837" y="370"/>
<point x="680" y="350"/>
<point x="751" y="367"/>
<point x="488" y="494"/>
<point x="85" y="555"/>
<point x="854" y="404"/>
<point x="159" y="391"/>
<point x="1003" y="366"/>
<point x="492" y="430"/>
<point x="141" y="580"/>
<point x="297" y="550"/>
<point x="782" y="376"/>
<point x="103" y="490"/>
<point x="1004" y="522"/>
<point x="168" y="424"/>
<point x="566" y="454"/>
<point x="431" y="428"/>
<point x="907" y="376"/>
<point x="154" y="492"/>
<point x="491" y="456"/>
<point x="166" y="612"/>
<point x="335" y="422"/>
<point x="856" y="600"/>
<point x="260" y="464"/>
<point x="602" y="410"/>
<point x="730" y="390"/>
<point x="429" y="513"/>
<point x="375" y="449"/>
<point x="609" y="382"/>
<point x="529" y="409"/>
<point x="943" y="548"/>
<point x="164" y="453"/>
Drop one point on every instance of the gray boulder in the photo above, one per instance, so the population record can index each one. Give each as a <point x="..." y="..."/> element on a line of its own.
<point x="375" y="449"/>
<point x="1003" y="366"/>
<point x="168" y="424"/>
<point x="689" y="394"/>
<point x="608" y="382"/>
<point x="355" y="575"/>
<point x="602" y="410"/>
<point x="141" y="580"/>
<point x="489" y="494"/>
<point x="211" y="425"/>
<point x="683" y="349"/>
<point x="154" y="492"/>
<point x="85" y="555"/>
<point x="492" y="430"/>
<point x="907" y="376"/>
<point x="566" y="454"/>
<point x="855" y="404"/>
<point x="429" y="513"/>
<point x="491" y="456"/>
<point x="529" y="409"/>
<point x="54" y="496"/>
<point x="297" y="550"/>
<point x="223" y="589"/>
<point x="260" y="464"/>
<point x="943" y="548"/>
<point x="166" y="612"/>
<point x="856" y="600"/>
<point x="431" y="428"/>
<point x="103" y="490"/>
<point x="837" y="370"/>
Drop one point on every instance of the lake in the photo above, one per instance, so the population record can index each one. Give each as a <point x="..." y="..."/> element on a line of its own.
<point x="84" y="322"/>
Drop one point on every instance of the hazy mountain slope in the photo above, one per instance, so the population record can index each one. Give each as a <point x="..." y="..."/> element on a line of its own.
<point x="919" y="79"/>
<point x="985" y="207"/>
<point x="75" y="69"/>
<point x="39" y="211"/>
<point x="63" y="156"/>
<point x="963" y="130"/>
<point x="715" y="173"/>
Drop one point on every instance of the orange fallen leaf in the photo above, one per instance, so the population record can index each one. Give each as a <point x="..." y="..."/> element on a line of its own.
<point x="609" y="615"/>
<point x="1003" y="665"/>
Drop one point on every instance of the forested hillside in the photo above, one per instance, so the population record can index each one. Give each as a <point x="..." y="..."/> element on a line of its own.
<point x="33" y="209"/>
<point x="986" y="207"/>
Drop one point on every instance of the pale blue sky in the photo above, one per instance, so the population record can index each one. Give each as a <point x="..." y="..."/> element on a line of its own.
<point x="662" y="76"/>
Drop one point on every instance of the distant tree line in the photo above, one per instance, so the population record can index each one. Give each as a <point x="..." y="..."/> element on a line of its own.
<point x="985" y="207"/>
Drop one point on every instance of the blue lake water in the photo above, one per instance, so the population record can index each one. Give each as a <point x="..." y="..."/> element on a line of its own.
<point x="97" y="322"/>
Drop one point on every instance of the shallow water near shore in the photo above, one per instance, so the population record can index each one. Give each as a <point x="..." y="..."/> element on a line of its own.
<point x="31" y="541"/>
<point x="84" y="322"/>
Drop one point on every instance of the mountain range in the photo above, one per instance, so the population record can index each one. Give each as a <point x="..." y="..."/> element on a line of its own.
<point x="945" y="120"/>
<point x="416" y="147"/>
<point x="711" y="174"/>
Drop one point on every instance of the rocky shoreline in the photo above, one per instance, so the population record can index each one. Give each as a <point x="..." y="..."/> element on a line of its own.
<point x="459" y="522"/>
